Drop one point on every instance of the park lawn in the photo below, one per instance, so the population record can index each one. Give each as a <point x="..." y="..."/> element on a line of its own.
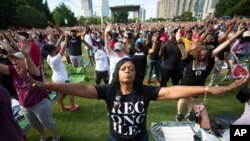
<point x="90" y="122"/>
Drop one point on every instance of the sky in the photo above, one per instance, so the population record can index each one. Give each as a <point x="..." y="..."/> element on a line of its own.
<point x="149" y="5"/>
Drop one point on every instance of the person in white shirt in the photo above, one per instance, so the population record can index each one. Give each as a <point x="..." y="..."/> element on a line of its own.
<point x="59" y="70"/>
<point x="101" y="60"/>
<point x="115" y="55"/>
<point x="88" y="37"/>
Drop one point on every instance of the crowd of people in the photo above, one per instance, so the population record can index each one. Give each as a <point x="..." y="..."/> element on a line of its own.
<point x="186" y="52"/>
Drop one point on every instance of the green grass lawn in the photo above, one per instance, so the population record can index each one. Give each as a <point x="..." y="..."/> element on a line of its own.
<point x="90" y="122"/>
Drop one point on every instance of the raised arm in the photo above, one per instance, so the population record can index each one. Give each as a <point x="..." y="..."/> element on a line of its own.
<point x="226" y="43"/>
<point x="84" y="41"/>
<point x="25" y="49"/>
<point x="106" y="40"/>
<point x="62" y="50"/>
<point x="204" y="35"/>
<point x="229" y="29"/>
<point x="176" y="92"/>
<point x="154" y="40"/>
<point x="181" y="47"/>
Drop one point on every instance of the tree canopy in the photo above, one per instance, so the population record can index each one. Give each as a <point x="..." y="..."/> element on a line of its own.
<point x="232" y="7"/>
<point x="63" y="16"/>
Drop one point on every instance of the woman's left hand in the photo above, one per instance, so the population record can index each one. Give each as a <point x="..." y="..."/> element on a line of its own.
<point x="237" y="83"/>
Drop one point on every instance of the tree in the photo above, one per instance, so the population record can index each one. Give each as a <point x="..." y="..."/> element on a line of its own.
<point x="186" y="16"/>
<point x="26" y="19"/>
<point x="61" y="14"/>
<point x="94" y="20"/>
<point x="82" y="20"/>
<point x="241" y="8"/>
<point x="7" y="12"/>
<point x="223" y="6"/>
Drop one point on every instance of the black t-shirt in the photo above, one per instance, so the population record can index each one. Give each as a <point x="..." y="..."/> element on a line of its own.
<point x="154" y="55"/>
<point x="128" y="122"/>
<point x="75" y="48"/>
<point x="172" y="56"/>
<point x="140" y="59"/>
<point x="197" y="75"/>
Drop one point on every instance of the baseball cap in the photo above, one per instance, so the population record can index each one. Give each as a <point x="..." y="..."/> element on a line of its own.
<point x="246" y="34"/>
<point x="118" y="46"/>
<point x="18" y="55"/>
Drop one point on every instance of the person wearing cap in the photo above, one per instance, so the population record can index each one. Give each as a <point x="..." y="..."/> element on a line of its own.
<point x="59" y="70"/>
<point x="171" y="53"/>
<point x="114" y="55"/>
<point x="10" y="130"/>
<point x="139" y="56"/>
<point x="35" y="103"/>
<point x="101" y="59"/>
<point x="128" y="101"/>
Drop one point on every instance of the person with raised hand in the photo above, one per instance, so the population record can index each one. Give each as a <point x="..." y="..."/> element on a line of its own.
<point x="127" y="100"/>
<point x="35" y="103"/>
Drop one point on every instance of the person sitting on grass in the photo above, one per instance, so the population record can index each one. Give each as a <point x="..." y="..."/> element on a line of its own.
<point x="127" y="100"/>
<point x="59" y="70"/>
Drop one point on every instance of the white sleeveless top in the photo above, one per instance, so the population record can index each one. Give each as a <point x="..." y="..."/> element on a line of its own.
<point x="60" y="73"/>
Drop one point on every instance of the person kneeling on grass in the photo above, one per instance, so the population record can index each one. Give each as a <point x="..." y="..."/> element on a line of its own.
<point x="127" y="101"/>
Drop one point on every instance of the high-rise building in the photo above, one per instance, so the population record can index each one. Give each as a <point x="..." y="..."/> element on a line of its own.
<point x="172" y="8"/>
<point x="86" y="8"/>
<point x="101" y="8"/>
<point x="199" y="8"/>
<point x="166" y="8"/>
<point x="209" y="8"/>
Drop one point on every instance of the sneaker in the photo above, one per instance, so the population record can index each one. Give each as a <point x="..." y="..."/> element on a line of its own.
<point x="158" y="82"/>
<point x="43" y="138"/>
<point x="147" y="82"/>
<point x="179" y="117"/>
<point x="190" y="116"/>
<point x="56" y="138"/>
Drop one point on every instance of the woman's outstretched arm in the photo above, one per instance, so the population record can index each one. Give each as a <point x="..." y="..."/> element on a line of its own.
<point x="176" y="92"/>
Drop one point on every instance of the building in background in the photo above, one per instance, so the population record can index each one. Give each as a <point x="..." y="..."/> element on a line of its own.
<point x="143" y="14"/>
<point x="209" y="8"/>
<point x="86" y="8"/>
<point x="101" y="8"/>
<point x="172" y="8"/>
<point x="198" y="9"/>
